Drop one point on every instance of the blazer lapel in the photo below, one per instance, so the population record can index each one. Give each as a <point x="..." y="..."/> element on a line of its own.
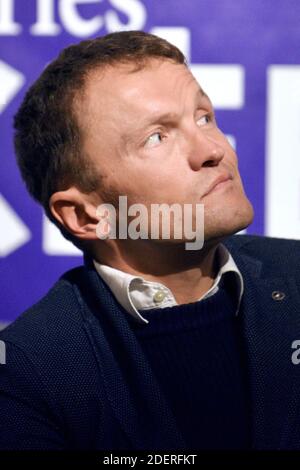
<point x="130" y="386"/>
<point x="270" y="327"/>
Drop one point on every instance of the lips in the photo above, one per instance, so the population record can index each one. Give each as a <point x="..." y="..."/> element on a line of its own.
<point x="222" y="178"/>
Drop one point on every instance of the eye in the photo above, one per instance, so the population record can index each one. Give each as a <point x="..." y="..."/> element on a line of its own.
<point x="154" y="139"/>
<point x="206" y="119"/>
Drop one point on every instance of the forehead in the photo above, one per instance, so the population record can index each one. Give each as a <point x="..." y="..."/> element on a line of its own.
<point x="120" y="89"/>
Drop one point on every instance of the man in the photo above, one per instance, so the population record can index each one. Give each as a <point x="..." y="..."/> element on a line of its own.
<point x="148" y="345"/>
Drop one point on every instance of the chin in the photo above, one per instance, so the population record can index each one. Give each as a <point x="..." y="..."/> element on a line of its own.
<point x="229" y="222"/>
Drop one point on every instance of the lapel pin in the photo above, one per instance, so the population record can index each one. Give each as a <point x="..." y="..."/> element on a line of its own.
<point x="278" y="295"/>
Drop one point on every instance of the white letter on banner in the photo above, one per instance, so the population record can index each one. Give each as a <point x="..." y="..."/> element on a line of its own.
<point x="282" y="152"/>
<point x="135" y="11"/>
<point x="7" y="24"/>
<point x="224" y="84"/>
<point x="74" y="23"/>
<point x="177" y="35"/>
<point x="45" y="24"/>
<point x="54" y="244"/>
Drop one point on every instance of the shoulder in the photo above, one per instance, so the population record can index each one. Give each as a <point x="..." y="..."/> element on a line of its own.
<point x="49" y="374"/>
<point x="53" y="323"/>
<point x="258" y="244"/>
<point x="280" y="253"/>
<point x="50" y="338"/>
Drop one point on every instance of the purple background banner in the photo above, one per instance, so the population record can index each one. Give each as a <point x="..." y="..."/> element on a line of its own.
<point x="243" y="47"/>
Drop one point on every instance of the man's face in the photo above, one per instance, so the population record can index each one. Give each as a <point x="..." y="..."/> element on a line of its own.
<point x="153" y="136"/>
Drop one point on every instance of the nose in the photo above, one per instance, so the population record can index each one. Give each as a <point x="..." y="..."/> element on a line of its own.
<point x="203" y="149"/>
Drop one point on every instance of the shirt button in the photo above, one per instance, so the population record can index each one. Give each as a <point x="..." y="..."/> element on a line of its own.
<point x="278" y="295"/>
<point x="159" y="296"/>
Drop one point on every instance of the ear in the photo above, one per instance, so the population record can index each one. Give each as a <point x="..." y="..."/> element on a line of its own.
<point x="76" y="211"/>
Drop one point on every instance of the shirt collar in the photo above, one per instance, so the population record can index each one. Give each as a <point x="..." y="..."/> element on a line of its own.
<point x="135" y="293"/>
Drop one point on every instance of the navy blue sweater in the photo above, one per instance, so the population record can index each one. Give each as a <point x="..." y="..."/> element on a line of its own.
<point x="198" y="358"/>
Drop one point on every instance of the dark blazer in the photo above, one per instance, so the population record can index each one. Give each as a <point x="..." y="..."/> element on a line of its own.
<point x="76" y="378"/>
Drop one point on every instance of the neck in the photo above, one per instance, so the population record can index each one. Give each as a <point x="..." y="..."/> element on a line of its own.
<point x="188" y="274"/>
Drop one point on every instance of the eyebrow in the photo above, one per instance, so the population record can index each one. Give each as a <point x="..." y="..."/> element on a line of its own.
<point x="168" y="117"/>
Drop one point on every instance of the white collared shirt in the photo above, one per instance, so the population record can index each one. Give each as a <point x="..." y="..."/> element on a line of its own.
<point x="134" y="293"/>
